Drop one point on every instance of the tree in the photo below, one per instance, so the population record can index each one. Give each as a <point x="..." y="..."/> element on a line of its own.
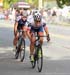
<point x="7" y="3"/>
<point x="61" y="3"/>
<point x="34" y="3"/>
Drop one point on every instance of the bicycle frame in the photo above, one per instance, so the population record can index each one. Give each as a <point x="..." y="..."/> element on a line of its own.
<point x="37" y="43"/>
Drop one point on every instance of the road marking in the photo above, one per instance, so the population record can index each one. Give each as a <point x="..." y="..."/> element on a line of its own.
<point x="60" y="36"/>
<point x="6" y="49"/>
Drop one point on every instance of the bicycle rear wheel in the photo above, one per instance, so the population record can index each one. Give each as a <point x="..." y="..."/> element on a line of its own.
<point x="17" y="53"/>
<point x="18" y="48"/>
<point x="39" y="58"/>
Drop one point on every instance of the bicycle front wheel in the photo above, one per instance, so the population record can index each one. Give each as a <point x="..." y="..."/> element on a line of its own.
<point x="18" y="48"/>
<point x="39" y="58"/>
<point x="22" y="50"/>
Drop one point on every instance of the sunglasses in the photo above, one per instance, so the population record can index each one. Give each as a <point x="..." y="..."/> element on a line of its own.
<point x="24" y="17"/>
<point x="37" y="21"/>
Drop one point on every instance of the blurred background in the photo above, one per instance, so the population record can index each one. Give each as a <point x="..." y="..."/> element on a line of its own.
<point x="56" y="10"/>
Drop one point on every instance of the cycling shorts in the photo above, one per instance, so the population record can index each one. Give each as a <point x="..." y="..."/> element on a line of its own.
<point x="36" y="29"/>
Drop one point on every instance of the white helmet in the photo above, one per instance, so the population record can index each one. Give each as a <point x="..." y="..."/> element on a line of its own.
<point x="37" y="17"/>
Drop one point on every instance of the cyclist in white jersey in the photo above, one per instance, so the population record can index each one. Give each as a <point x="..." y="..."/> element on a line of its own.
<point x="37" y="24"/>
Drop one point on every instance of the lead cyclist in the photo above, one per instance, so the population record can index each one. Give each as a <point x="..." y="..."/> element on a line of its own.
<point x="37" y="24"/>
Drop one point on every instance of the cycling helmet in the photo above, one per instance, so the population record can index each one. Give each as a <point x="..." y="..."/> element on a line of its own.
<point x="34" y="11"/>
<point x="37" y="17"/>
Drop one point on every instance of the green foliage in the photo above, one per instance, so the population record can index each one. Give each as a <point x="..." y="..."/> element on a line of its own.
<point x="61" y="3"/>
<point x="33" y="2"/>
<point x="7" y="3"/>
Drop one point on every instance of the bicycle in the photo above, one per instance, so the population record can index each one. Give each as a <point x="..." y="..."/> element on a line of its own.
<point x="38" y="53"/>
<point x="20" y="48"/>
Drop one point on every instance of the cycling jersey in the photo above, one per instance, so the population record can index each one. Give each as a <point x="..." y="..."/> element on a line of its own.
<point x="33" y="26"/>
<point x="21" y="23"/>
<point x="31" y="21"/>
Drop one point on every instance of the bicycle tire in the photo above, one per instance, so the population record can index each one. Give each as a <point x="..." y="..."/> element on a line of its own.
<point x="18" y="48"/>
<point x="16" y="55"/>
<point x="39" y="59"/>
<point x="22" y="52"/>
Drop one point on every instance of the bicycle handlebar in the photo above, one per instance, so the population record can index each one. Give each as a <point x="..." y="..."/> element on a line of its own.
<point x="40" y="36"/>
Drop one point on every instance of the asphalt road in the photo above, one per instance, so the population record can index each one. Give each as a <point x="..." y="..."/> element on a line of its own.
<point x="56" y="52"/>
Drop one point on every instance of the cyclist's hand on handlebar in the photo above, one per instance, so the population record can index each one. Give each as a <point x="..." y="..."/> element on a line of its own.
<point x="48" y="38"/>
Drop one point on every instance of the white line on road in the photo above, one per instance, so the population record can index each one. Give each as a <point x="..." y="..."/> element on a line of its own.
<point x="60" y="36"/>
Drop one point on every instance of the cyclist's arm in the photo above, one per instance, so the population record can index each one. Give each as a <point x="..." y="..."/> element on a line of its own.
<point x="15" y="27"/>
<point x="46" y="31"/>
<point x="45" y="26"/>
<point x="28" y="31"/>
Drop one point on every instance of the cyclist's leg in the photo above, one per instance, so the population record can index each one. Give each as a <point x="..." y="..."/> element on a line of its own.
<point x="32" y="42"/>
<point x="41" y="33"/>
<point x="15" y="39"/>
<point x="30" y="33"/>
<point x="41" y="38"/>
<point x="32" y="48"/>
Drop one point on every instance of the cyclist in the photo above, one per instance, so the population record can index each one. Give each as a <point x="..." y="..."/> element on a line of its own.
<point x="20" y="24"/>
<point x="37" y="24"/>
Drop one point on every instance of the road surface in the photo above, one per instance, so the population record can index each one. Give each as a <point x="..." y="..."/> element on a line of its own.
<point x="56" y="52"/>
